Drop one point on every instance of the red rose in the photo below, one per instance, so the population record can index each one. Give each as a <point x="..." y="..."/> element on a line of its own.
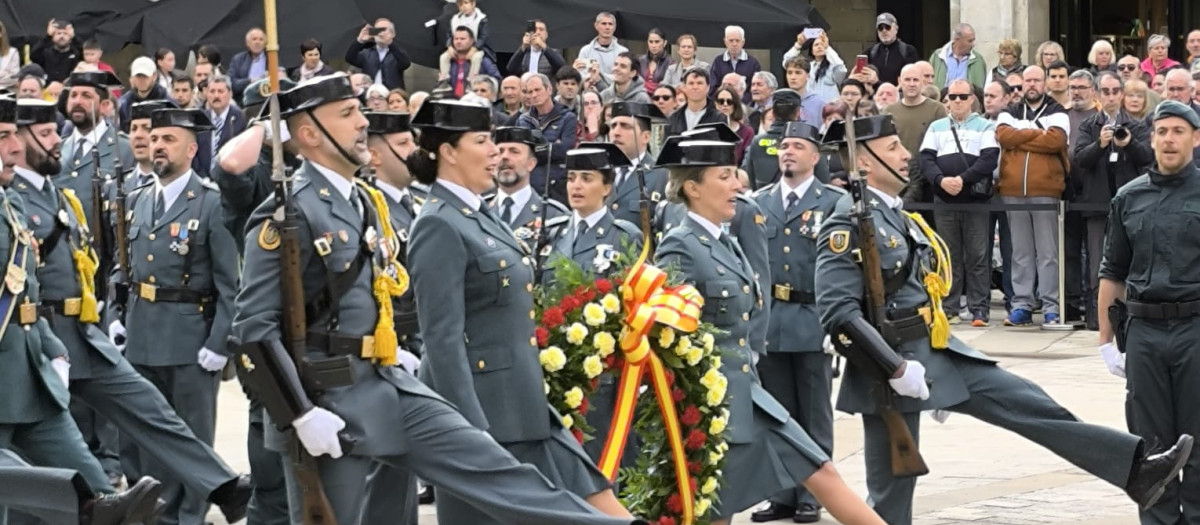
<point x="675" y="503"/>
<point x="543" y="336"/>
<point x="666" y="520"/>
<point x="677" y="394"/>
<point x="695" y="440"/>
<point x="595" y="383"/>
<point x="552" y="317"/>
<point x="690" y="416"/>
<point x="604" y="285"/>
<point x="610" y="360"/>
<point x="692" y="483"/>
<point x="694" y="467"/>
<point x="670" y="377"/>
<point x="578" y="435"/>
<point x="569" y="303"/>
<point x="583" y="406"/>
<point x="588" y="294"/>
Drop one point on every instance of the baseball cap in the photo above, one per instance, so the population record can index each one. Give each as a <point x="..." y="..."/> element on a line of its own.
<point x="142" y="66"/>
<point x="885" y="18"/>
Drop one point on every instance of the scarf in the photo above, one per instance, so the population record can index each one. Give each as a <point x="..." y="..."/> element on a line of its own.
<point x="306" y="73"/>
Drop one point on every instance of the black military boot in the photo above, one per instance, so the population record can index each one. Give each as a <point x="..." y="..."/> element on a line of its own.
<point x="773" y="511"/>
<point x="233" y="498"/>
<point x="137" y="505"/>
<point x="807" y="513"/>
<point x="1152" y="473"/>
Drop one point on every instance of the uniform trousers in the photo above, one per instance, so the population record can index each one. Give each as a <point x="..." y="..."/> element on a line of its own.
<point x="55" y="442"/>
<point x="50" y="494"/>
<point x="269" y="504"/>
<point x="802" y="382"/>
<point x="102" y="439"/>
<point x="1010" y="402"/>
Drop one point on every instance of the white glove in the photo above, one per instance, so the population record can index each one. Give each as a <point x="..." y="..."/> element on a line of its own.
<point x="912" y="383"/>
<point x="827" y="345"/>
<point x="116" y="333"/>
<point x="408" y="360"/>
<point x="211" y="361"/>
<point x="318" y="432"/>
<point x="754" y="357"/>
<point x="1114" y="359"/>
<point x="940" y="415"/>
<point x="63" y="369"/>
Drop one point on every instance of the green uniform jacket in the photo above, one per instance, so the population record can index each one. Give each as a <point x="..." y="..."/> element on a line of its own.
<point x="594" y="251"/>
<point x="525" y="220"/>
<point x="77" y="173"/>
<point x="624" y="200"/>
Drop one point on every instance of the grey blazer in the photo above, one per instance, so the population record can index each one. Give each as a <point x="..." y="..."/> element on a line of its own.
<point x="528" y="215"/>
<point x="625" y="199"/>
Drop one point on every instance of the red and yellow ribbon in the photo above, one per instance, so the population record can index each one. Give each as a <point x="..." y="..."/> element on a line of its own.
<point x="647" y="301"/>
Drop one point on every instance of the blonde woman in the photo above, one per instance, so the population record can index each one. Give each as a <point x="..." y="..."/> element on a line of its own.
<point x="686" y="44"/>
<point x="1102" y="57"/>
<point x="1139" y="100"/>
<point x="1009" y="51"/>
<point x="1047" y="53"/>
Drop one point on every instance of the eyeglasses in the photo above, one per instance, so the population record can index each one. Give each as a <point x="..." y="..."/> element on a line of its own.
<point x="1110" y="91"/>
<point x="1079" y="88"/>
<point x="724" y="101"/>
<point x="1127" y="67"/>
<point x="884" y="27"/>
<point x="959" y="96"/>
<point x="663" y="97"/>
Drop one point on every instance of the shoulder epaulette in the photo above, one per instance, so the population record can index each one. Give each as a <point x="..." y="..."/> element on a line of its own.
<point x="208" y="183"/>
<point x="765" y="189"/>
<point x="836" y="189"/>
<point x="556" y="205"/>
<point x="628" y="227"/>
<point x="746" y="199"/>
<point x="557" y="221"/>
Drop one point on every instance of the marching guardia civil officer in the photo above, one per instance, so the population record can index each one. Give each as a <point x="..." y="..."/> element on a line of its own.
<point x="629" y="129"/>
<point x="922" y="363"/>
<point x="768" y="451"/>
<point x="1151" y="264"/>
<point x="796" y="369"/>
<point x="479" y="331"/>
<point x="388" y="415"/>
<point x="88" y="99"/>
<point x="61" y="495"/>
<point x="516" y="203"/>
<point x="100" y="376"/>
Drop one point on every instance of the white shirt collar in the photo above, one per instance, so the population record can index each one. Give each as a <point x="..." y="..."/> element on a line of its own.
<point x="37" y="180"/>
<point x="798" y="190"/>
<point x="740" y="57"/>
<point x="96" y="134"/>
<point x="467" y="196"/>
<point x="343" y="185"/>
<point x="713" y="229"/>
<point x="520" y="198"/>
<point x="170" y="192"/>
<point x="892" y="202"/>
<point x="395" y="193"/>
<point x="591" y="220"/>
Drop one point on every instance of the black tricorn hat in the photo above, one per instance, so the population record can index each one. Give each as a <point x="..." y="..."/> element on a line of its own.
<point x="8" y="110"/>
<point x="387" y="122"/>
<point x="800" y="130"/>
<point x="718" y="131"/>
<point x="32" y="111"/>
<point x="96" y="79"/>
<point x="683" y="151"/>
<point x="193" y="119"/>
<point x="145" y="108"/>
<point x="312" y="93"/>
<point x="647" y="112"/>
<point x="453" y="115"/>
<point x="531" y="137"/>
<point x="865" y="128"/>
<point x="596" y="156"/>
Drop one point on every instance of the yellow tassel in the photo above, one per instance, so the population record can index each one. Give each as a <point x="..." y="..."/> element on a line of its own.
<point x="86" y="264"/>
<point x="937" y="283"/>
<point x="385" y="287"/>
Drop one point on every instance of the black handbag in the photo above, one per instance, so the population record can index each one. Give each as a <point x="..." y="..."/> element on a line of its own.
<point x="981" y="190"/>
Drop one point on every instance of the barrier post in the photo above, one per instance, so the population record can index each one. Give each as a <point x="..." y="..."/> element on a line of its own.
<point x="1063" y="325"/>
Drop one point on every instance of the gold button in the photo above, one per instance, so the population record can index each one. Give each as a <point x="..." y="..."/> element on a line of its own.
<point x="503" y="263"/>
<point x="787" y="249"/>
<point x="724" y="293"/>
<point x="787" y="231"/>
<point x="785" y="267"/>
<point x="482" y="364"/>
<point x="525" y="261"/>
<point x="746" y="369"/>
<point x="529" y="287"/>
<point x="151" y="279"/>
<point x="533" y="341"/>
<point x="746" y="316"/>
<point x="75" y="173"/>
<point x="151" y="236"/>
<point x="745" y="288"/>
<point x="347" y="266"/>
<point x="150" y="257"/>
<point x="742" y="342"/>
<point x="532" y="315"/>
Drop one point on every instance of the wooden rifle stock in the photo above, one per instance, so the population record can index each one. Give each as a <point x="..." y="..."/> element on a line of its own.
<point x="906" y="458"/>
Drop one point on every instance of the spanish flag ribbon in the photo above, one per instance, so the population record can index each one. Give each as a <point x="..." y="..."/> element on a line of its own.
<point x="647" y="301"/>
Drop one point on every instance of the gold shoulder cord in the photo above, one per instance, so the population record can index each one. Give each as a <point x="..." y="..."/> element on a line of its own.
<point x="385" y="286"/>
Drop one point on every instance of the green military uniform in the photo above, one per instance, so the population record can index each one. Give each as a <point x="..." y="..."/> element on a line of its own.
<point x="761" y="160"/>
<point x="768" y="452"/>
<point x="796" y="370"/>
<point x="1149" y="248"/>
<point x="625" y="200"/>
<point x="525" y="221"/>
<point x="962" y="379"/>
<point x="422" y="433"/>
<point x="78" y="166"/>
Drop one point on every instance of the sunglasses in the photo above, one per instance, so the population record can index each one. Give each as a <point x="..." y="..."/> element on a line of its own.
<point x="1127" y="67"/>
<point x="663" y="97"/>
<point x="1016" y="88"/>
<point x="958" y="96"/>
<point x="724" y="101"/>
<point x="884" y="27"/>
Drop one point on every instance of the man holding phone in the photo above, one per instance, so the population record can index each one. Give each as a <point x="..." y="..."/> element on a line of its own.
<point x="58" y="52"/>
<point x="890" y="54"/>
<point x="534" y="55"/>
<point x="375" y="52"/>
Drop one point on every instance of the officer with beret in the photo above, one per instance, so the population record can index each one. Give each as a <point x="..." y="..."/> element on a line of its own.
<point x="1152" y="265"/>
<point x="926" y="367"/>
<point x="87" y="101"/>
<point x="390" y="417"/>
<point x="100" y="376"/>
<point x="796" y="370"/>
<point x="517" y="203"/>
<point x="629" y="129"/>
<point x="760" y="162"/>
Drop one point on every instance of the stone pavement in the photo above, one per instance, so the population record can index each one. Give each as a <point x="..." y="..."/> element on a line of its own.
<point x="979" y="474"/>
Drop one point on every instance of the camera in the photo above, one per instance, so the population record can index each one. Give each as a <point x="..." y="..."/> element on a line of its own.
<point x="1120" y="132"/>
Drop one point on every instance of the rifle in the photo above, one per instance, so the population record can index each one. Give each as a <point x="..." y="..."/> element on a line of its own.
<point x="906" y="458"/>
<point x="315" y="507"/>
<point x="95" y="219"/>
<point x="645" y="215"/>
<point x="121" y="240"/>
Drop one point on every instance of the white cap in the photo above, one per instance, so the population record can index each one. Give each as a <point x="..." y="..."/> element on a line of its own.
<point x="143" y="66"/>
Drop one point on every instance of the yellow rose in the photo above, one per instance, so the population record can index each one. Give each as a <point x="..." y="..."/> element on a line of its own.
<point x="552" y="359"/>
<point x="684" y="345"/>
<point x="723" y="446"/>
<point x="717" y="425"/>
<point x="592" y="366"/>
<point x="576" y="333"/>
<point x="708" y="341"/>
<point x="710" y="378"/>
<point x="611" y="304"/>
<point x="694" y="355"/>
<point x="605" y="343"/>
<point x="567" y="421"/>
<point x="715" y="396"/>
<point x="702" y="506"/>
<point x="573" y="397"/>
<point x="710" y="486"/>
<point x="714" y="458"/>
<point x="593" y="314"/>
<point x="666" y="337"/>
<point x="715" y="362"/>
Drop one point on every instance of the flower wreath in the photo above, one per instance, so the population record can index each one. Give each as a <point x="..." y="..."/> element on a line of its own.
<point x="623" y="325"/>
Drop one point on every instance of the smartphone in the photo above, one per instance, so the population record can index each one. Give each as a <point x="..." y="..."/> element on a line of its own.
<point x="860" y="63"/>
<point x="811" y="33"/>
<point x="374" y="31"/>
<point x="531" y="26"/>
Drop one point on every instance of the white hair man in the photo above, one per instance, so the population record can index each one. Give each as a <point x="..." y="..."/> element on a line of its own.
<point x="735" y="59"/>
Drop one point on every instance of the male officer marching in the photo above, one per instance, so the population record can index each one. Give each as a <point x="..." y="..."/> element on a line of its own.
<point x="517" y="203"/>
<point x="100" y="376"/>
<point x="629" y="129"/>
<point x="913" y="343"/>
<point x="796" y="369"/>
<point x="88" y="100"/>
<point x="1152" y="264"/>
<point x="182" y="281"/>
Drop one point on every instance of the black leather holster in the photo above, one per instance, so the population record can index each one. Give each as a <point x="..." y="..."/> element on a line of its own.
<point x="266" y="370"/>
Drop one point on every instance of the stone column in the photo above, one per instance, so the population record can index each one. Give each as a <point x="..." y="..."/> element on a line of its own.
<point x="1028" y="21"/>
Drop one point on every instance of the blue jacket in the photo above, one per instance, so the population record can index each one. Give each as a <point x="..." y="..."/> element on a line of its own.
<point x="239" y="73"/>
<point x="366" y="58"/>
<point x="559" y="127"/>
<point x="721" y="67"/>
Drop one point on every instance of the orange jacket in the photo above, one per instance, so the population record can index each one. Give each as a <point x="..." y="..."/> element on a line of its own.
<point x="1033" y="150"/>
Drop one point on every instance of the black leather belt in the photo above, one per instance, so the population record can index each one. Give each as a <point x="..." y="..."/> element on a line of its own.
<point x="1163" y="310"/>
<point x="904" y="325"/>
<point x="70" y="307"/>
<point x="161" y="294"/>
<point x="338" y="345"/>
<point x="785" y="293"/>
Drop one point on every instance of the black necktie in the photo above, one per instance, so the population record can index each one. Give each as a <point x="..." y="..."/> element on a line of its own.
<point x="79" y="151"/>
<point x="792" y="199"/>
<point x="506" y="212"/>
<point x="406" y="202"/>
<point x="581" y="229"/>
<point x="160" y="205"/>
